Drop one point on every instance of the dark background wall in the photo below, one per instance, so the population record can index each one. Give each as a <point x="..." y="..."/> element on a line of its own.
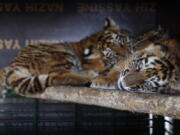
<point x="31" y="21"/>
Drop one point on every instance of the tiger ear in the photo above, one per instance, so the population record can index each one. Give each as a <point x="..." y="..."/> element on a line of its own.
<point x="110" y="23"/>
<point x="157" y="49"/>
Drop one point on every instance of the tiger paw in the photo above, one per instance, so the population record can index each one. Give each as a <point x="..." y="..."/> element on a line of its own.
<point x="103" y="83"/>
<point x="92" y="74"/>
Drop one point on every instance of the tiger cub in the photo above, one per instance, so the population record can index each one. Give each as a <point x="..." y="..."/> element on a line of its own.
<point x="109" y="80"/>
<point x="156" y="68"/>
<point x="37" y="67"/>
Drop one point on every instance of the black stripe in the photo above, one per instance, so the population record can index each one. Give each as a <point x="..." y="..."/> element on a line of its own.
<point x="170" y="66"/>
<point x="152" y="79"/>
<point x="46" y="46"/>
<point x="153" y="63"/>
<point x="158" y="78"/>
<point x="108" y="37"/>
<point x="146" y="60"/>
<point x="157" y="84"/>
<point x="47" y="82"/>
<point x="17" y="82"/>
<point x="21" y="65"/>
<point x="67" y="65"/>
<point x="58" y="65"/>
<point x="33" y="46"/>
<point x="37" y="85"/>
<point x="100" y="38"/>
<point x="24" y="86"/>
<point x="164" y="75"/>
<point x="9" y="73"/>
<point x="158" y="61"/>
<point x="58" y="71"/>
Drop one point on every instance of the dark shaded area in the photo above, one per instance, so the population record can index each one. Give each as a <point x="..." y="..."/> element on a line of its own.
<point x="168" y="16"/>
<point x="39" y="117"/>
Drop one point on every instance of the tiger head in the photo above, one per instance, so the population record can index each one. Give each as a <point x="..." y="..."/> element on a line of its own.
<point x="104" y="48"/>
<point x="153" y="69"/>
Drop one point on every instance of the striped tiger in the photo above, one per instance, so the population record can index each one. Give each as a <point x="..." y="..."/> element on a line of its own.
<point x="155" y="69"/>
<point x="136" y="43"/>
<point x="37" y="67"/>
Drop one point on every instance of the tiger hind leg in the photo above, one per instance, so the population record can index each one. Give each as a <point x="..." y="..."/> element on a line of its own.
<point x="26" y="83"/>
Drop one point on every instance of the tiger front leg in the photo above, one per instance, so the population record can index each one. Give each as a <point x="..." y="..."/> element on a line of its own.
<point x="108" y="81"/>
<point x="72" y="79"/>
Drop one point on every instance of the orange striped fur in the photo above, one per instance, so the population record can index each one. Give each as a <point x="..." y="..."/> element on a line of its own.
<point x="37" y="67"/>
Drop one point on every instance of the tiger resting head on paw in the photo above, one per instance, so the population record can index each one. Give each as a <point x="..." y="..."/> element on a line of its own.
<point x="153" y="69"/>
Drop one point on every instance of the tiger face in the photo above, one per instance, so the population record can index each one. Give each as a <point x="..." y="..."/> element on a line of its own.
<point x="150" y="70"/>
<point x="112" y="33"/>
<point x="105" y="47"/>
